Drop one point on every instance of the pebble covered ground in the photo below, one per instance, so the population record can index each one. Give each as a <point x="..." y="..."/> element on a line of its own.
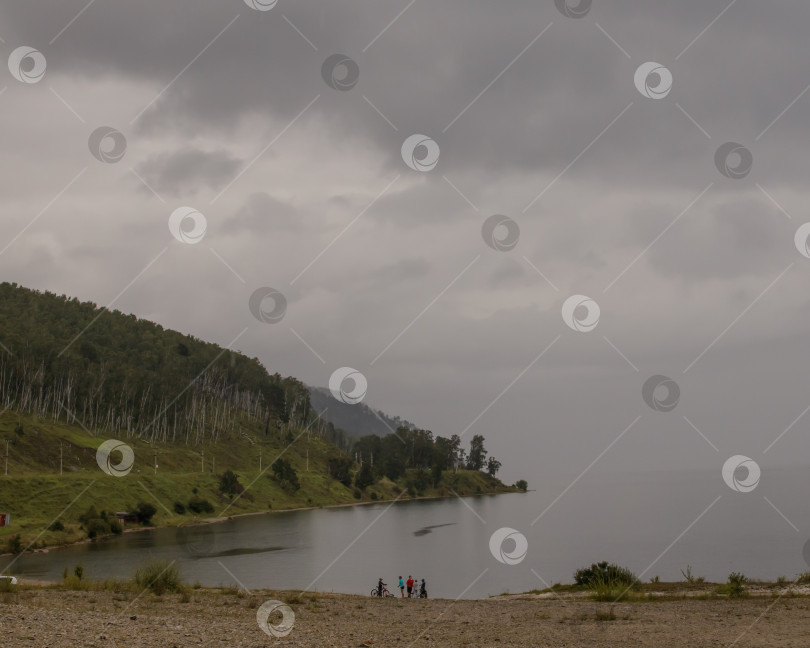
<point x="50" y="618"/>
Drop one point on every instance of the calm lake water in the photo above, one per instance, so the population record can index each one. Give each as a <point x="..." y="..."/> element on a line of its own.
<point x="640" y="521"/>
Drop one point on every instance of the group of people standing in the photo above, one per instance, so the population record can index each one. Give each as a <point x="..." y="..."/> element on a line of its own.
<point x="410" y="585"/>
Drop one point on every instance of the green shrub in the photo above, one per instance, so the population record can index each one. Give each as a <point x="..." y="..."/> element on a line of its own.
<point x="159" y="576"/>
<point x="96" y="527"/>
<point x="15" y="544"/>
<point x="357" y="494"/>
<point x="737" y="577"/>
<point x="99" y="524"/>
<point x="229" y="483"/>
<point x="73" y="581"/>
<point x="285" y="474"/>
<point x="199" y="505"/>
<point x="144" y="512"/>
<point x="522" y="484"/>
<point x="604" y="574"/>
<point x="735" y="586"/>
<point x="374" y="495"/>
<point x="56" y="525"/>
<point x="340" y="468"/>
<point x="179" y="508"/>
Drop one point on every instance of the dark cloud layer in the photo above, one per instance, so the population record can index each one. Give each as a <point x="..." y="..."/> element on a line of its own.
<point x="188" y="170"/>
<point x="304" y="189"/>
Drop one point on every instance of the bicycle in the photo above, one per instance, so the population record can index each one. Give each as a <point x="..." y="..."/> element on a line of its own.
<point x="385" y="593"/>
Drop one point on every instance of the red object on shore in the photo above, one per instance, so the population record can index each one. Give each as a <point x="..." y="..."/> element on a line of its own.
<point x="5" y="519"/>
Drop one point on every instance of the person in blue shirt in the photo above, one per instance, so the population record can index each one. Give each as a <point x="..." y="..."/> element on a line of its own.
<point x="402" y="587"/>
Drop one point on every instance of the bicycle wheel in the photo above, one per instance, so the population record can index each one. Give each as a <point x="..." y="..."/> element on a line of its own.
<point x="374" y="592"/>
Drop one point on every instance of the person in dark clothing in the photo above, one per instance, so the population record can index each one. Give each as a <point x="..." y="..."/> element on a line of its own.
<point x="423" y="590"/>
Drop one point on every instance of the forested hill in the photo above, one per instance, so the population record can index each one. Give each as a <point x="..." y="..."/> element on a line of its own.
<point x="111" y="372"/>
<point x="207" y="429"/>
<point x="357" y="420"/>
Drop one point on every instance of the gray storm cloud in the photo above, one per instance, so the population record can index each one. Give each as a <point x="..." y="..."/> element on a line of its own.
<point x="536" y="117"/>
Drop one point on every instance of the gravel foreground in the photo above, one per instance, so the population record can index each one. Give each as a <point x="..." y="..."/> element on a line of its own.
<point x="50" y="618"/>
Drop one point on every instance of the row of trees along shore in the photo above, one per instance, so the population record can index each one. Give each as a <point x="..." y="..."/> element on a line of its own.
<point x="390" y="456"/>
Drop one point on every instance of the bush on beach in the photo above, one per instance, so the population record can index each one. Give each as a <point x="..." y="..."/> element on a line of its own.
<point x="604" y="573"/>
<point x="734" y="586"/>
<point x="159" y="576"/>
<point x="607" y="581"/>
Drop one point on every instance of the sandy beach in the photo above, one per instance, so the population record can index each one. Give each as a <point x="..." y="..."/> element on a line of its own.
<point x="227" y="617"/>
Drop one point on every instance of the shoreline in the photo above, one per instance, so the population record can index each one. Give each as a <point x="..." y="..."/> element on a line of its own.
<point x="650" y="593"/>
<point x="221" y="519"/>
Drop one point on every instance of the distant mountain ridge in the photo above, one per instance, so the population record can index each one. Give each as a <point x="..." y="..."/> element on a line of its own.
<point x="356" y="420"/>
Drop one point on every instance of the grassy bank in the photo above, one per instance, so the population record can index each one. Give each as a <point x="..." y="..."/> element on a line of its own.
<point x="35" y="494"/>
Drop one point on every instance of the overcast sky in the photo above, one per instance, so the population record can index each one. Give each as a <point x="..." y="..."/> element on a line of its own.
<point x="610" y="181"/>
